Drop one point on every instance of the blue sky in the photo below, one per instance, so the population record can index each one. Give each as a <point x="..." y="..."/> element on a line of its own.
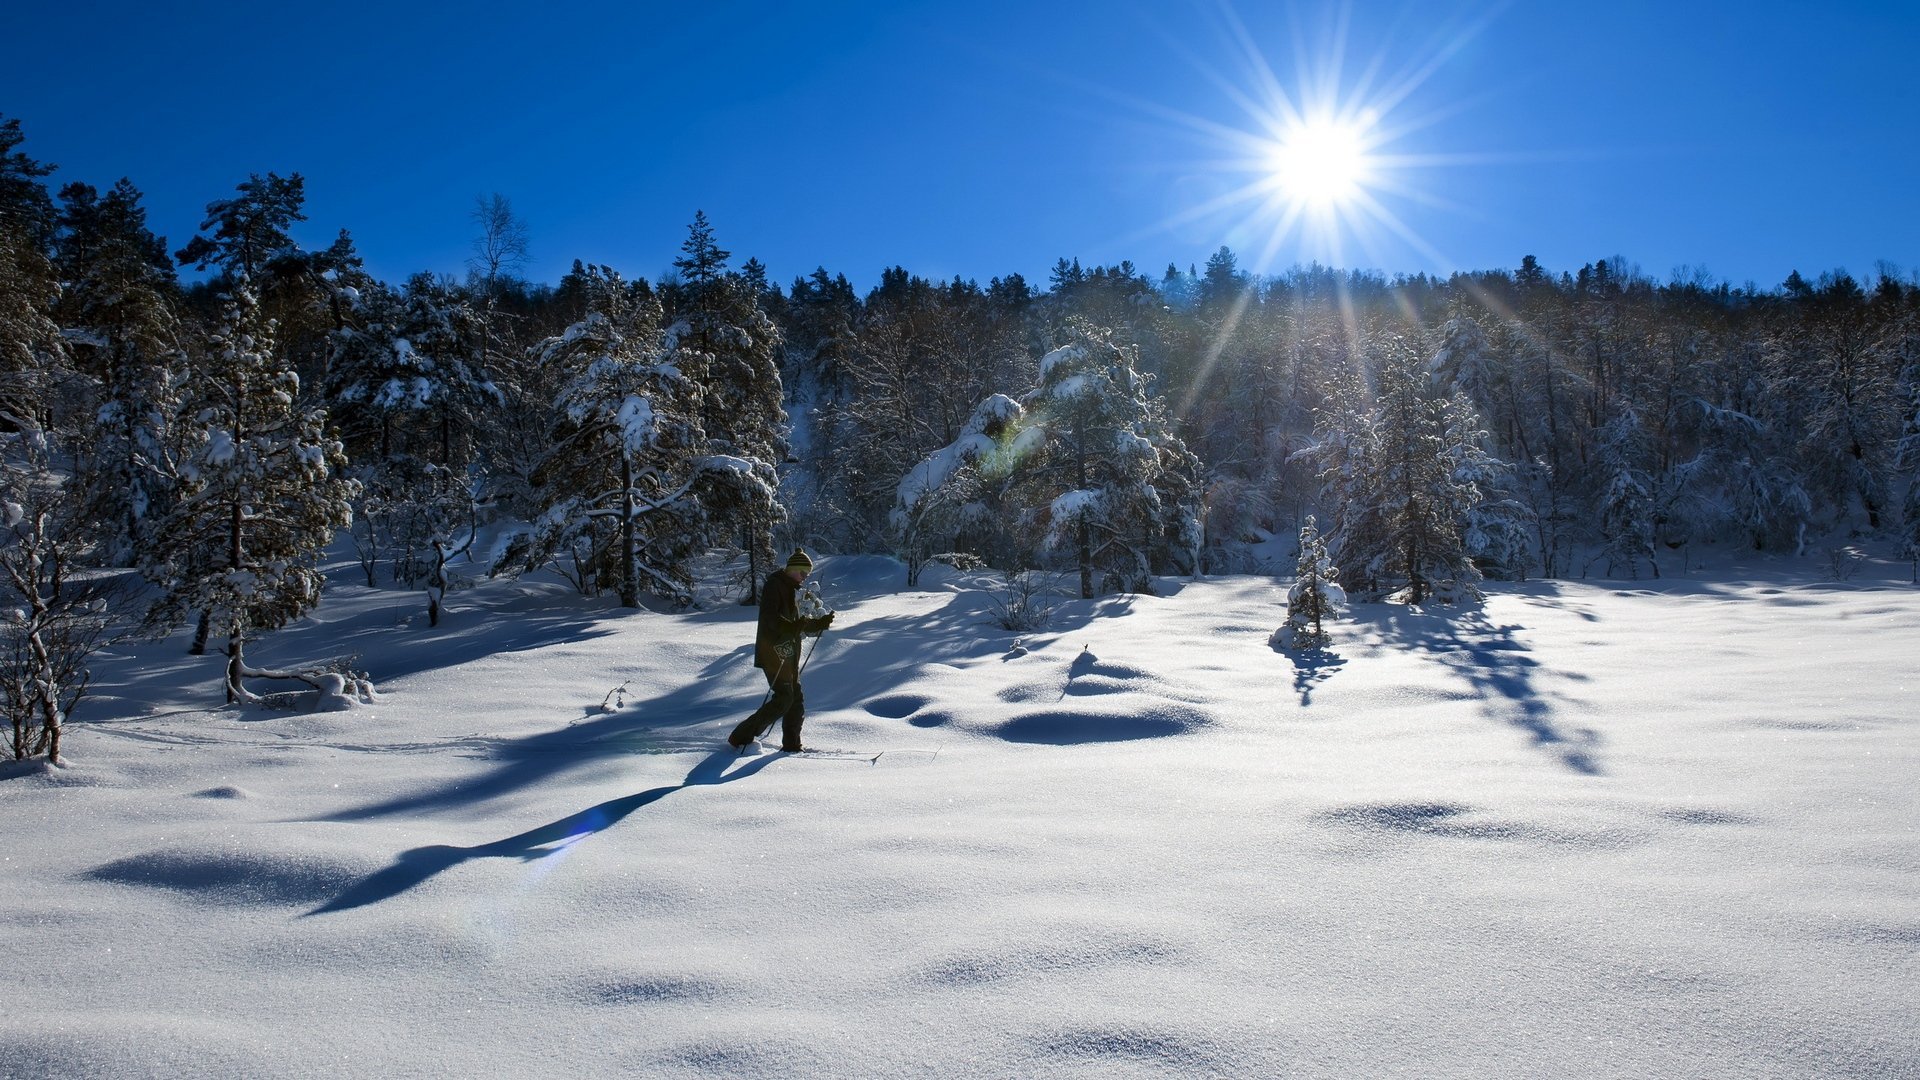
<point x="979" y="139"/>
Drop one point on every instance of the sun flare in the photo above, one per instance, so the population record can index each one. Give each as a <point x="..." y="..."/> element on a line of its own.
<point x="1321" y="165"/>
<point x="1328" y="151"/>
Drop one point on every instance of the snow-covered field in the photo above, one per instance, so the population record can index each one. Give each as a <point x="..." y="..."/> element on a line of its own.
<point x="1661" y="829"/>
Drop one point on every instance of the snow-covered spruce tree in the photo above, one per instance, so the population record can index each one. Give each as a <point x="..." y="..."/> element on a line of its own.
<point x="631" y="485"/>
<point x="412" y="399"/>
<point x="1753" y="487"/>
<point x="1346" y="456"/>
<point x="1626" y="507"/>
<point x="1498" y="525"/>
<point x="1314" y="597"/>
<point x="1087" y="452"/>
<point x="817" y="330"/>
<point x="943" y="495"/>
<point x="722" y="340"/>
<point x="1841" y="395"/>
<point x="1907" y="452"/>
<point x="261" y="494"/>
<point x="1402" y="507"/>
<point x="117" y="312"/>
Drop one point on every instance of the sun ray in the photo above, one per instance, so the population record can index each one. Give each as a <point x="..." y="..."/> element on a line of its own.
<point x="1330" y="141"/>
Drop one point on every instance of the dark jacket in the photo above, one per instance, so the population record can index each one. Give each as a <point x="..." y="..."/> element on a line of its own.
<point x="778" y="640"/>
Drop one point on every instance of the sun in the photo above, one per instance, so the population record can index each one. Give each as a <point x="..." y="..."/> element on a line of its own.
<point x="1328" y="151"/>
<point x="1322" y="165"/>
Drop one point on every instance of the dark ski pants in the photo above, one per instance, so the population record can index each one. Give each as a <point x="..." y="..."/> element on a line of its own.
<point x="786" y="704"/>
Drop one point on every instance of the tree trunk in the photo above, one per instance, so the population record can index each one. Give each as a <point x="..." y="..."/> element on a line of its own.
<point x="629" y="584"/>
<point x="236" y="667"/>
<point x="437" y="583"/>
<point x="200" y="634"/>
<point x="753" y="560"/>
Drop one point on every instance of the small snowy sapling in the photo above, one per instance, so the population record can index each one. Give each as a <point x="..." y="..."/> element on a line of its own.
<point x="1314" y="598"/>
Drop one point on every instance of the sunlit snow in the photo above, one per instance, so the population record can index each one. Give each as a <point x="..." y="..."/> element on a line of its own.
<point x="1659" y="828"/>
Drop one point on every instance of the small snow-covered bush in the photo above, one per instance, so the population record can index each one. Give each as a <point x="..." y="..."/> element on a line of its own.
<point x="1843" y="562"/>
<point x="1025" y="601"/>
<point x="50" y="624"/>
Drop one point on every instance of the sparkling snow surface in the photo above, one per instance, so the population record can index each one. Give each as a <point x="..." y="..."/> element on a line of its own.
<point x="1659" y="829"/>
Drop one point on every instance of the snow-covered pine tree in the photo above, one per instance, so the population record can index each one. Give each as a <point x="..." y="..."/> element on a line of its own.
<point x="32" y="353"/>
<point x="1464" y="362"/>
<point x="722" y="340"/>
<point x="1087" y="452"/>
<point x="1903" y="339"/>
<point x="1346" y="456"/>
<point x="411" y="400"/>
<point x="1496" y="526"/>
<point x="1426" y="502"/>
<point x="943" y="494"/>
<point x="818" y="333"/>
<point x="246" y="237"/>
<point x="1407" y="526"/>
<point x="1314" y="597"/>
<point x="1625" y="510"/>
<point x="262" y="491"/>
<point x="117" y="311"/>
<point x="631" y="485"/>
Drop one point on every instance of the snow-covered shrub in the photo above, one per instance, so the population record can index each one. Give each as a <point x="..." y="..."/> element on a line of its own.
<point x="50" y="625"/>
<point x="1025" y="601"/>
<point x="1843" y="561"/>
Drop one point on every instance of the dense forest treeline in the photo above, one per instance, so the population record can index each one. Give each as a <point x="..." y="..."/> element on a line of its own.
<point x="218" y="433"/>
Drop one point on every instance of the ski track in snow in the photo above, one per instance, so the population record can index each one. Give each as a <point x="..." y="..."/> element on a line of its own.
<point x="1658" y="828"/>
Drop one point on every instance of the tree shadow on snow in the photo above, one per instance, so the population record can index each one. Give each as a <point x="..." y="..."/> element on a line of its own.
<point x="1311" y="668"/>
<point x="413" y="867"/>
<point x="1496" y="665"/>
<point x="674" y="722"/>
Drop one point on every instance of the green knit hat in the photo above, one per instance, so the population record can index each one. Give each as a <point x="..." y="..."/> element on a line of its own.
<point x="800" y="561"/>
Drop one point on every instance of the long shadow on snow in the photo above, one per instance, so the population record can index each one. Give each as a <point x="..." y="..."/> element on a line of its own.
<point x="526" y="761"/>
<point x="474" y="631"/>
<point x="1497" y="666"/>
<point x="412" y="867"/>
<point x="861" y="657"/>
<point x="864" y="657"/>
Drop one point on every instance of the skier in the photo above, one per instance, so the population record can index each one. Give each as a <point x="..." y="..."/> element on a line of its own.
<point x="776" y="651"/>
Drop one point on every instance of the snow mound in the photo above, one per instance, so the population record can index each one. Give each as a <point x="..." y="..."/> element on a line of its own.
<point x="225" y="791"/>
<point x="896" y="706"/>
<point x="235" y="878"/>
<point x="100" y="1043"/>
<point x="626" y="991"/>
<point x="1068" y="727"/>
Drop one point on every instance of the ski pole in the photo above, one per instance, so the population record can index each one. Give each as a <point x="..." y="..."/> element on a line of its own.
<point x="814" y="644"/>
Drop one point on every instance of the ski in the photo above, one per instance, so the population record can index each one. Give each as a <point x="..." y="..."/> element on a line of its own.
<point x="868" y="756"/>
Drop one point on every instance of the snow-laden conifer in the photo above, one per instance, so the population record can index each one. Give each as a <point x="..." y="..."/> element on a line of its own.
<point x="1315" y="596"/>
<point x="944" y="496"/>
<point x="117" y="313"/>
<point x="32" y="353"/>
<point x="632" y="489"/>
<point x="721" y="339"/>
<point x="1626" y="505"/>
<point x="1087" y="458"/>
<point x="1401" y="478"/>
<point x="261" y="493"/>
